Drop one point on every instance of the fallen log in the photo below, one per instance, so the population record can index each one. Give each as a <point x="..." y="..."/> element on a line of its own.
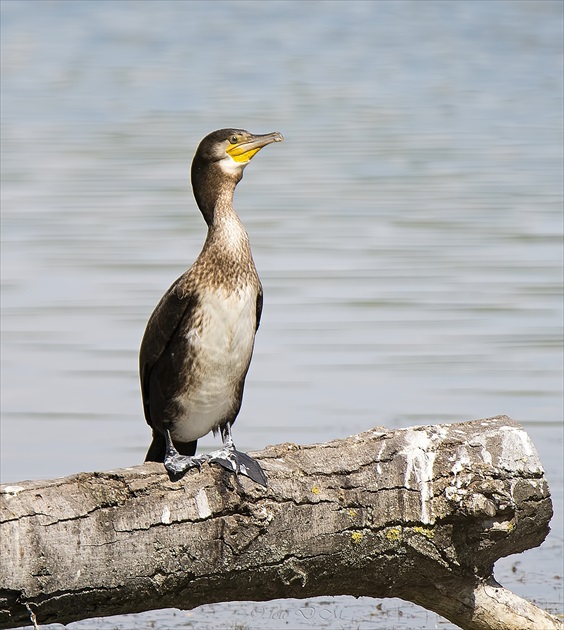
<point x="421" y="513"/>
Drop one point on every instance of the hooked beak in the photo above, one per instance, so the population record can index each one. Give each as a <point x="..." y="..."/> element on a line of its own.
<point x="244" y="150"/>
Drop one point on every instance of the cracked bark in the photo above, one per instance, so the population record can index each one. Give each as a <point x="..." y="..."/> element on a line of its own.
<point x="421" y="513"/>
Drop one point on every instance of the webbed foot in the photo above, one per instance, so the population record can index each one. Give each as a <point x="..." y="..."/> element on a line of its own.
<point x="239" y="463"/>
<point x="176" y="463"/>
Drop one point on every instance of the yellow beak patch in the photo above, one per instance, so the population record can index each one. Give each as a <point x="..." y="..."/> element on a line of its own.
<point x="242" y="153"/>
<point x="249" y="145"/>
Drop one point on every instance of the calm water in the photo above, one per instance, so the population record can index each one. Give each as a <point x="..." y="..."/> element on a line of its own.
<point x="408" y="233"/>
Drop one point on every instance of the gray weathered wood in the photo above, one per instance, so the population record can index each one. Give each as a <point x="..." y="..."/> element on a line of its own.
<point x="421" y="513"/>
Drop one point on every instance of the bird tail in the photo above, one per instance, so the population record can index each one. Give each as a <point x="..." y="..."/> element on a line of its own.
<point x="157" y="450"/>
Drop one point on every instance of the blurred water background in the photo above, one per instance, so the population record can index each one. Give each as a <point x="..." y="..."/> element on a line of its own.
<point x="408" y="233"/>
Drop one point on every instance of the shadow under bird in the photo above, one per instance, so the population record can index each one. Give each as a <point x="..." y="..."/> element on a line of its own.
<point x="198" y="343"/>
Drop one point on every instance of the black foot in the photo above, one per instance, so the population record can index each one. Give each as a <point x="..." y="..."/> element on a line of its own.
<point x="239" y="463"/>
<point x="176" y="463"/>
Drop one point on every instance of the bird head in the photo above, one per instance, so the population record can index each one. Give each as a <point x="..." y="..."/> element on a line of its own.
<point x="233" y="149"/>
<point x="220" y="160"/>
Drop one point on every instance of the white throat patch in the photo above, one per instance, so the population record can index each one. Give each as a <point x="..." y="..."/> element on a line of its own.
<point x="229" y="166"/>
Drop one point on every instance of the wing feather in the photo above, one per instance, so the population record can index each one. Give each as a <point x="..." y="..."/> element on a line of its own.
<point x="259" y="307"/>
<point x="174" y="307"/>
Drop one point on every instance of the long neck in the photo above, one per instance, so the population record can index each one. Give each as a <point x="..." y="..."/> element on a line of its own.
<point x="226" y="230"/>
<point x="213" y="190"/>
<point x="226" y="238"/>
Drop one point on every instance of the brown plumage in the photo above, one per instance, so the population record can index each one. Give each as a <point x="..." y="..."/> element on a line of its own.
<point x="198" y="343"/>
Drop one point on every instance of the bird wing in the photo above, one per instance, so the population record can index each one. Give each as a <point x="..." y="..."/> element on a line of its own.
<point x="259" y="307"/>
<point x="173" y="307"/>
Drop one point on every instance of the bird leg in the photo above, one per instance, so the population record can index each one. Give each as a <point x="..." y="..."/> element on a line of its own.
<point x="176" y="463"/>
<point x="235" y="461"/>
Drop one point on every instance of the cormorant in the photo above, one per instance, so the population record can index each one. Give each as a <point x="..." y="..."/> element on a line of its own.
<point x="198" y="343"/>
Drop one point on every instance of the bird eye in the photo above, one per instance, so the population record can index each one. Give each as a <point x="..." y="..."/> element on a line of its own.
<point x="234" y="139"/>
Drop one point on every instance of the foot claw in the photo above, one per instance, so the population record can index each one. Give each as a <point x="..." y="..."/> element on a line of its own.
<point x="177" y="464"/>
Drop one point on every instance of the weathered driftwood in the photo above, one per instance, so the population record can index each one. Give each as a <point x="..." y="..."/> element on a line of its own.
<point x="420" y="513"/>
